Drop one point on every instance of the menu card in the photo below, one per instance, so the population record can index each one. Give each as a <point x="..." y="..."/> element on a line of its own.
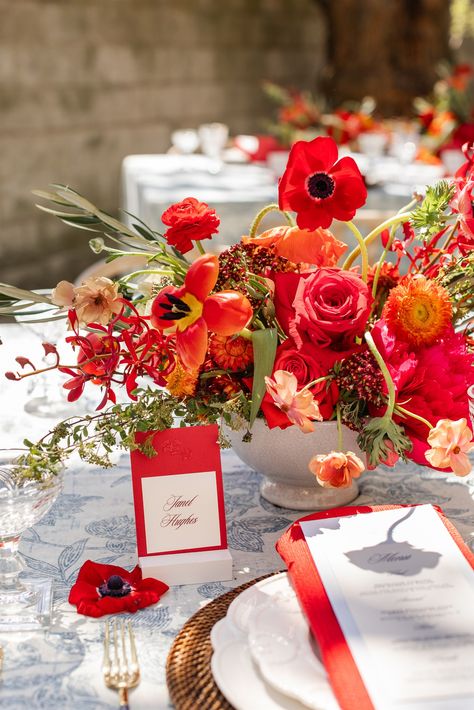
<point x="403" y="595"/>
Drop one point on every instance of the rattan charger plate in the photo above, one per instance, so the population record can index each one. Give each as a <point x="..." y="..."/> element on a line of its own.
<point x="188" y="667"/>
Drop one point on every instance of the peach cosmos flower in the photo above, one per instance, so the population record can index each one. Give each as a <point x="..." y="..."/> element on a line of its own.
<point x="319" y="246"/>
<point x="336" y="470"/>
<point x="450" y="443"/>
<point x="95" y="301"/>
<point x="300" y="407"/>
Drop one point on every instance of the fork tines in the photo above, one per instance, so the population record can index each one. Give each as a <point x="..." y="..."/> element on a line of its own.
<point x="120" y="665"/>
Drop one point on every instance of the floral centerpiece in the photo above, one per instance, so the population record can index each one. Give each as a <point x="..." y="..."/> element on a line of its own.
<point x="288" y="325"/>
<point x="447" y="116"/>
<point x="300" y="115"/>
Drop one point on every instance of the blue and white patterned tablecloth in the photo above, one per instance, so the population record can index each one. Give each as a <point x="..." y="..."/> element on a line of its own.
<point x="93" y="519"/>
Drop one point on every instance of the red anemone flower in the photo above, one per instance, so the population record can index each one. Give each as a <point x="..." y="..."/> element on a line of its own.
<point x="191" y="312"/>
<point x="106" y="589"/>
<point x="318" y="186"/>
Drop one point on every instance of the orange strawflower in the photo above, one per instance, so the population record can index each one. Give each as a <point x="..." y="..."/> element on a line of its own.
<point x="182" y="382"/>
<point x="231" y="353"/>
<point x="419" y="311"/>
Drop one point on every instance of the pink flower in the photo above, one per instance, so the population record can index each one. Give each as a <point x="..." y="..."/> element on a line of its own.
<point x="336" y="470"/>
<point x="96" y="301"/>
<point x="450" y="443"/>
<point x="300" y="407"/>
<point x="462" y="205"/>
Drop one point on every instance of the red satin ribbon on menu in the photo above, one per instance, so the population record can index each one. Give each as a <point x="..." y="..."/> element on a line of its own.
<point x="343" y="672"/>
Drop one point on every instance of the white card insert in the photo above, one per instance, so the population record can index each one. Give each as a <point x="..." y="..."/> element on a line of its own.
<point x="403" y="594"/>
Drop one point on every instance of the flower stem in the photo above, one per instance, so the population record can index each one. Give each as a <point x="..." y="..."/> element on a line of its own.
<point x="263" y="213"/>
<point x="339" y="427"/>
<point x="398" y="219"/>
<point x="386" y="375"/>
<point x="362" y="248"/>
<point x="402" y="410"/>
<point x="200" y="247"/>
<point x="315" y="382"/>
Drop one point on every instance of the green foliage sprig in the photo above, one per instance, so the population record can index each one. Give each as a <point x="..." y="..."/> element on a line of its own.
<point x="429" y="218"/>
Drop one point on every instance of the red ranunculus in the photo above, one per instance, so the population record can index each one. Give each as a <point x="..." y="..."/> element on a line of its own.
<point x="318" y="186"/>
<point x="329" y="307"/>
<point x="106" y="589"/>
<point x="189" y="221"/>
<point x="307" y="364"/>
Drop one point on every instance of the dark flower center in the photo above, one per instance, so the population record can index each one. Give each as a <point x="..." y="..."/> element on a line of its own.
<point x="115" y="586"/>
<point x="175" y="309"/>
<point x="320" y="185"/>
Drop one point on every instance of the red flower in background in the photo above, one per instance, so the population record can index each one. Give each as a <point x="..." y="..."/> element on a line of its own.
<point x="190" y="312"/>
<point x="318" y="186"/>
<point x="106" y="589"/>
<point x="189" y="221"/>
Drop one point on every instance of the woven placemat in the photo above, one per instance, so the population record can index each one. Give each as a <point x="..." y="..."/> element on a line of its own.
<point x="188" y="667"/>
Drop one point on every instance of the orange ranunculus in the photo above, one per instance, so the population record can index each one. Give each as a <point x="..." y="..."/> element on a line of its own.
<point x="336" y="470"/>
<point x="319" y="246"/>
<point x="450" y="442"/>
<point x="191" y="312"/>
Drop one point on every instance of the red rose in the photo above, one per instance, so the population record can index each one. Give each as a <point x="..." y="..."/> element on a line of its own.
<point x="318" y="186"/>
<point x="188" y="221"/>
<point x="331" y="308"/>
<point x="106" y="589"/>
<point x="307" y="364"/>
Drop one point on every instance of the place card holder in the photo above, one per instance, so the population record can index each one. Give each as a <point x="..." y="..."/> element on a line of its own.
<point x="179" y="507"/>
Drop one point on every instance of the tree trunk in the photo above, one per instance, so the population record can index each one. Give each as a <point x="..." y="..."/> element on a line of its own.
<point x="388" y="49"/>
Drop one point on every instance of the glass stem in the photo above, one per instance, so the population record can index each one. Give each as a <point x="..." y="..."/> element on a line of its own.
<point x="11" y="565"/>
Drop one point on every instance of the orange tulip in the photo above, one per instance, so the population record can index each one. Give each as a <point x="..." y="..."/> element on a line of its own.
<point x="190" y="312"/>
<point x="319" y="246"/>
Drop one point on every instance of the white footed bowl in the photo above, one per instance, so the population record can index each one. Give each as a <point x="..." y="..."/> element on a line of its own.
<point x="282" y="457"/>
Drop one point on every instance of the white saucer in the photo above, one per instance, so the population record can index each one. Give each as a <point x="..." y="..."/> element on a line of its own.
<point x="263" y="655"/>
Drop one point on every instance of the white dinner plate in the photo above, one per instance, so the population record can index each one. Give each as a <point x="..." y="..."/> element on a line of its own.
<point x="263" y="654"/>
<point x="239" y="680"/>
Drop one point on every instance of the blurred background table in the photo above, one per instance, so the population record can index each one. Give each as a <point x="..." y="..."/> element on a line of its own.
<point x="94" y="519"/>
<point x="237" y="191"/>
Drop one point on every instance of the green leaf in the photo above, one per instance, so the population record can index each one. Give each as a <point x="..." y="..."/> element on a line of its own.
<point x="264" y="349"/>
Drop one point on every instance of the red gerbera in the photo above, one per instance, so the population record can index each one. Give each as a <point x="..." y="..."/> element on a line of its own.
<point x="318" y="186"/>
<point x="106" y="589"/>
<point x="188" y="221"/>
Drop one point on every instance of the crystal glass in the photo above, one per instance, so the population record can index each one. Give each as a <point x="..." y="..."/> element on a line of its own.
<point x="185" y="140"/>
<point x="23" y="502"/>
<point x="213" y="138"/>
<point x="52" y="401"/>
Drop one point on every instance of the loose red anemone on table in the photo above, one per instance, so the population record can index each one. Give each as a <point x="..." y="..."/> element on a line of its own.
<point x="318" y="186"/>
<point x="106" y="589"/>
<point x="191" y="312"/>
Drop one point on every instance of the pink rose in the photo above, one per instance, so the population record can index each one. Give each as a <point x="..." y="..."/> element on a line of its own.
<point x="331" y="308"/>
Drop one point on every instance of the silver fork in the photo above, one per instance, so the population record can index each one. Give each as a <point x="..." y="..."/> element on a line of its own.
<point x="120" y="665"/>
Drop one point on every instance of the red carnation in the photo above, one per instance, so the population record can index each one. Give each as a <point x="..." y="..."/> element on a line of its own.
<point x="106" y="589"/>
<point x="188" y="221"/>
<point x="318" y="188"/>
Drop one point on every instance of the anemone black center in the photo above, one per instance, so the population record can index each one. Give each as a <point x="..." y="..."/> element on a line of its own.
<point x="115" y="586"/>
<point x="320" y="185"/>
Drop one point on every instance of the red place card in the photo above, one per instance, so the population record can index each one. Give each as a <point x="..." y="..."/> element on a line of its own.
<point x="179" y="505"/>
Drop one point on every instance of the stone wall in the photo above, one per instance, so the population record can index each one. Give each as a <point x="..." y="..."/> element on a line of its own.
<point x="85" y="82"/>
